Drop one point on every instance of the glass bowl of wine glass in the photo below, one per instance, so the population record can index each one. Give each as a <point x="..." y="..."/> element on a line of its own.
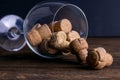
<point x="45" y="13"/>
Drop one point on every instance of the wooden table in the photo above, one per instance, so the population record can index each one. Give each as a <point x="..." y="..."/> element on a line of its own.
<point x="25" y="65"/>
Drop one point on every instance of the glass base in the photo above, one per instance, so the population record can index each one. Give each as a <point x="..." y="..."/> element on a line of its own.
<point x="11" y="33"/>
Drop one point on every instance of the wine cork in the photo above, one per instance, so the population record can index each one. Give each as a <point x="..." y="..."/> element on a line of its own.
<point x="99" y="58"/>
<point x="58" y="41"/>
<point x="79" y="48"/>
<point x="72" y="35"/>
<point x="34" y="37"/>
<point x="45" y="48"/>
<point x="62" y="25"/>
<point x="44" y="31"/>
<point x="78" y="44"/>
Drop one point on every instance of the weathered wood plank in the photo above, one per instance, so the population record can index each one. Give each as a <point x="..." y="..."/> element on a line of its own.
<point x="25" y="65"/>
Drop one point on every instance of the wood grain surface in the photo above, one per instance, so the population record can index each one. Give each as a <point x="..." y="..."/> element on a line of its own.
<point x="25" y="65"/>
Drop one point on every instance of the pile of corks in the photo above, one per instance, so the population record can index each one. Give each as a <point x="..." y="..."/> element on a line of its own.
<point x="58" y="37"/>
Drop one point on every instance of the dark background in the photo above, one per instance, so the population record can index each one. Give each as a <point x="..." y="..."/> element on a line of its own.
<point x="103" y="15"/>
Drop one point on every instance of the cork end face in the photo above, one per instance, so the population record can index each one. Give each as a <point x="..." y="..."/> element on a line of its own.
<point x="74" y="46"/>
<point x="72" y="35"/>
<point x="92" y="58"/>
<point x="58" y="41"/>
<point x="61" y="35"/>
<point x="66" y="25"/>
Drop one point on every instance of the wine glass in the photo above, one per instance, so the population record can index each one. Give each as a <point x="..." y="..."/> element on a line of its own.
<point x="11" y="33"/>
<point x="45" y="13"/>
